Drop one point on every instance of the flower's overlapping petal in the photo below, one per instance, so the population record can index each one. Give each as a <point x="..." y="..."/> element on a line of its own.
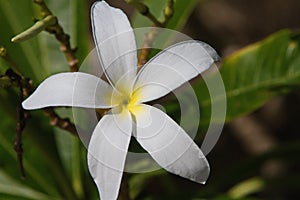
<point x="169" y="145"/>
<point x="71" y="89"/>
<point x="173" y="67"/>
<point x="107" y="152"/>
<point x="115" y="42"/>
<point x="157" y="133"/>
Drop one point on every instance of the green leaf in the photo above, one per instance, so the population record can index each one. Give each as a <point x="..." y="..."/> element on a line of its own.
<point x="15" y="17"/>
<point x="37" y="170"/>
<point x="73" y="17"/>
<point x="20" y="191"/>
<point x="40" y="57"/>
<point x="138" y="182"/>
<point x="183" y="9"/>
<point x="247" y="187"/>
<point x="253" y="75"/>
<point x="70" y="149"/>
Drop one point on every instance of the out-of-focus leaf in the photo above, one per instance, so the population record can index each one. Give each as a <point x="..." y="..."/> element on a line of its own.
<point x="41" y="160"/>
<point x="71" y="152"/>
<point x="137" y="182"/>
<point x="20" y="191"/>
<point x="73" y="17"/>
<point x="35" y="169"/>
<point x="224" y="197"/>
<point x="255" y="74"/>
<point x="40" y="57"/>
<point x="246" y="188"/>
<point x="252" y="76"/>
<point x="15" y="17"/>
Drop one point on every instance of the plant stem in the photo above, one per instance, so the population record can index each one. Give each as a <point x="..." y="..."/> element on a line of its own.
<point x="12" y="78"/>
<point x="61" y="36"/>
<point x="150" y="37"/>
<point x="144" y="10"/>
<point x="63" y="123"/>
<point x="146" y="47"/>
<point x="4" y="55"/>
<point x="124" y="189"/>
<point x="50" y="24"/>
<point x="38" y="27"/>
<point x="19" y="129"/>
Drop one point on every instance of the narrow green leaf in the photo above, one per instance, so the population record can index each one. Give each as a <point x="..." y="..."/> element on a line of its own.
<point x="37" y="170"/>
<point x="15" y="17"/>
<point x="38" y="58"/>
<point x="32" y="171"/>
<point x="246" y="188"/>
<point x="14" y="188"/>
<point x="138" y="181"/>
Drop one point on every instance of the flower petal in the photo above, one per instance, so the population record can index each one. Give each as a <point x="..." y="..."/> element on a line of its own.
<point x="115" y="42"/>
<point x="173" y="67"/>
<point x="169" y="145"/>
<point x="107" y="152"/>
<point x="71" y="89"/>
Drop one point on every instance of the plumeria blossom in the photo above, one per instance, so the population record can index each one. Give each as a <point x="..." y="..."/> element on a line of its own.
<point x="125" y="95"/>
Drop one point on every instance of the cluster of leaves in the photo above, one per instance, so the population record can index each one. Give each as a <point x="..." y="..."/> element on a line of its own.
<point x="55" y="161"/>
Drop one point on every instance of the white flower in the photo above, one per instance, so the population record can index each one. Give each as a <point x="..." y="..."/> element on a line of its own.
<point x="126" y="94"/>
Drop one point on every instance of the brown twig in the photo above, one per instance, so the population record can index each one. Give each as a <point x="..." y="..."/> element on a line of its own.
<point x="25" y="88"/>
<point x="16" y="79"/>
<point x="144" y="10"/>
<point x="19" y="129"/>
<point x="61" y="36"/>
<point x="50" y="24"/>
<point x="12" y="78"/>
<point x="63" y="123"/>
<point x="7" y="58"/>
<point x="55" y="119"/>
<point x="124" y="194"/>
<point x="146" y="47"/>
<point x="149" y="37"/>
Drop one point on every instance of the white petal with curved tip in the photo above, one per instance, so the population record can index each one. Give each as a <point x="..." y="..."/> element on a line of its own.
<point x="107" y="152"/>
<point x="115" y="41"/>
<point x="173" y="67"/>
<point x="169" y="145"/>
<point x="70" y="89"/>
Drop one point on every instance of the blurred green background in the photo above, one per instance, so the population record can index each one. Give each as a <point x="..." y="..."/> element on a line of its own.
<point x="257" y="155"/>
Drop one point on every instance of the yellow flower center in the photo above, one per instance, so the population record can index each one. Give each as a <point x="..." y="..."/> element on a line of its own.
<point x="132" y="103"/>
<point x="127" y="101"/>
